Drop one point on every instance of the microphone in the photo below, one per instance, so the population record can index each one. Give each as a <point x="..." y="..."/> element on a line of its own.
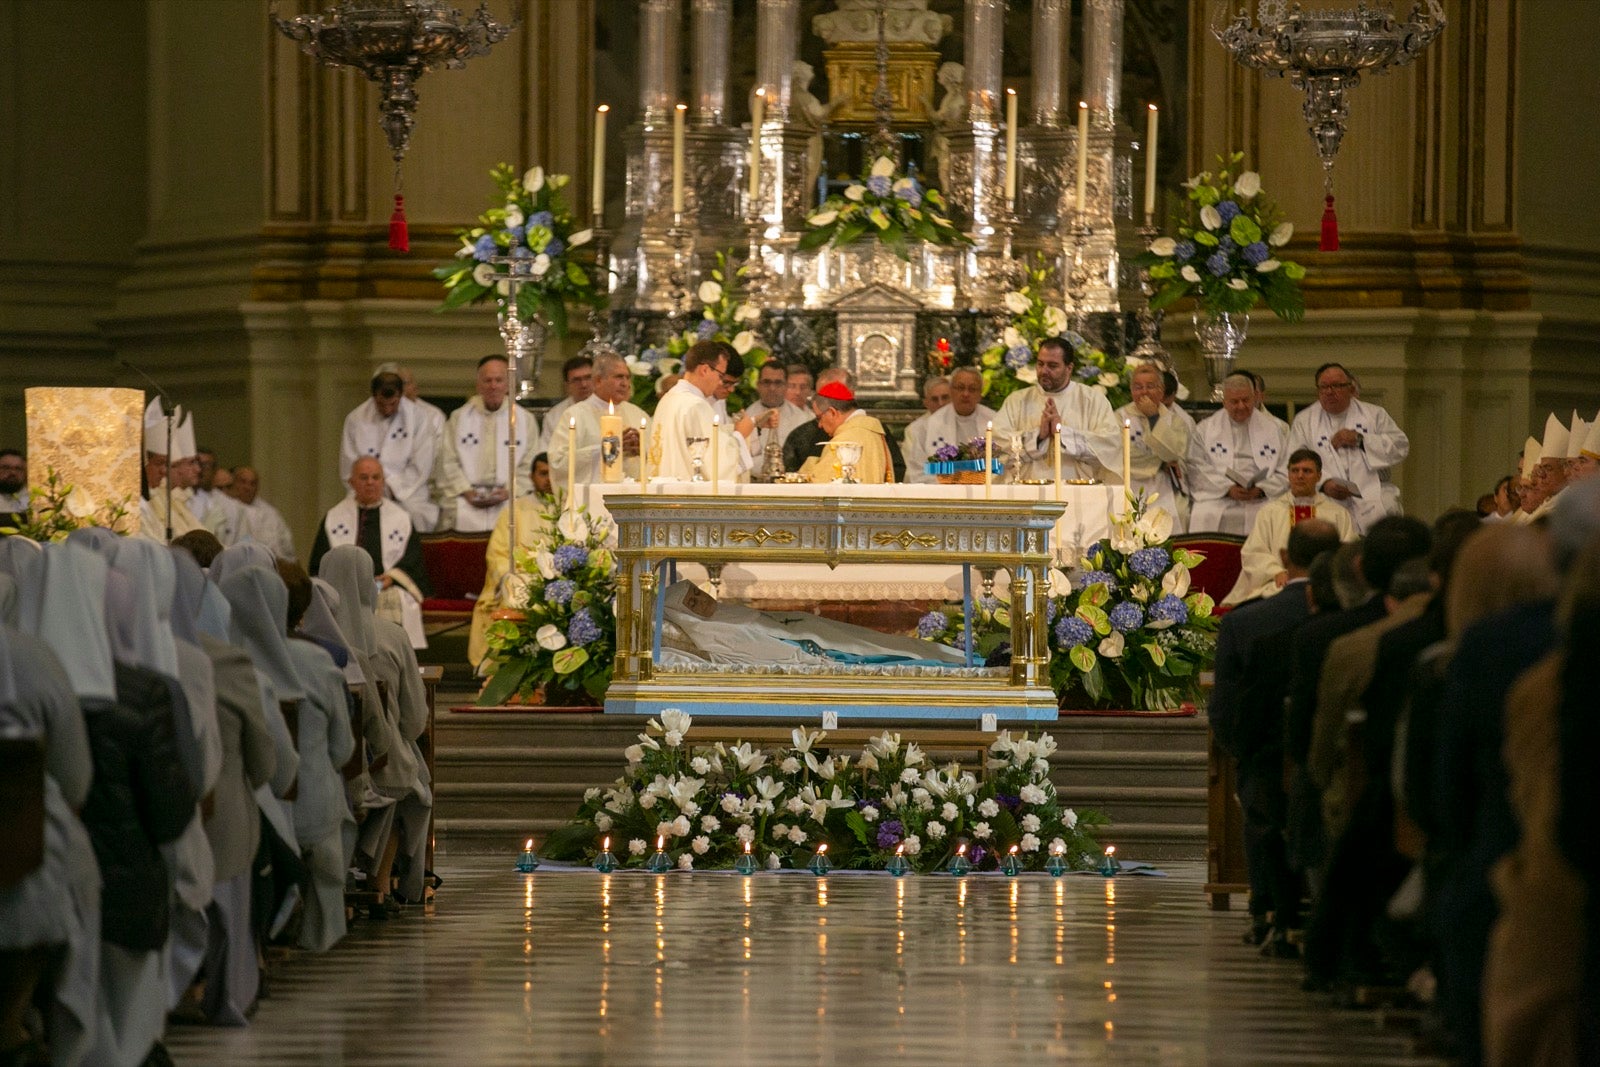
<point x="168" y="410"/>
<point x="167" y="406"/>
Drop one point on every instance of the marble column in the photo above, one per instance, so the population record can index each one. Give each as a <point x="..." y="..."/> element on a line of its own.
<point x="659" y="22"/>
<point x="710" y="23"/>
<point x="1102" y="59"/>
<point x="780" y="207"/>
<point x="1050" y="33"/>
<point x="777" y="28"/>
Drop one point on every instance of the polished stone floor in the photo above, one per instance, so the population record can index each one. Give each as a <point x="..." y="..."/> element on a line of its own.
<point x="577" y="968"/>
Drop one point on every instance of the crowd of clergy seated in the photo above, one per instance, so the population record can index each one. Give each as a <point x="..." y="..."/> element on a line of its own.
<point x="224" y="747"/>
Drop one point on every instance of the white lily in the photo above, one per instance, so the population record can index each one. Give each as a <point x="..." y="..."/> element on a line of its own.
<point x="1210" y="218"/>
<point x="675" y="719"/>
<point x="1247" y="185"/>
<point x="803" y="738"/>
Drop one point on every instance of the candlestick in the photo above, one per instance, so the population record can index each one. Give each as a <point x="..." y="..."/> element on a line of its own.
<point x="597" y="184"/>
<point x="716" y="451"/>
<point x="1150" y="163"/>
<point x="1056" y="455"/>
<point x="1011" y="145"/>
<point x="1083" y="156"/>
<point x="572" y="461"/>
<point x="1127" y="456"/>
<point x="611" y="444"/>
<point x="677" y="157"/>
<point x="758" y="114"/>
<point x="988" y="457"/>
<point x="644" y="451"/>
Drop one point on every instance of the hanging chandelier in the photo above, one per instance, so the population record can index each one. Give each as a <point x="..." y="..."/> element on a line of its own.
<point x="1324" y="54"/>
<point x="393" y="43"/>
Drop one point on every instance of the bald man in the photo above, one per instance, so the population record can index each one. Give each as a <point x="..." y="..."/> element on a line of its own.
<point x="368" y="519"/>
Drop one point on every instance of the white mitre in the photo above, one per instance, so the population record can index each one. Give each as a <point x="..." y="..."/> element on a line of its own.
<point x="1554" y="445"/>
<point x="1530" y="457"/>
<point x="1591" y="440"/>
<point x="1576" y="437"/>
<point x="183" y="446"/>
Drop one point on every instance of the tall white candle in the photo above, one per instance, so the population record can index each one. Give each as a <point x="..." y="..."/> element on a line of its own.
<point x="597" y="184"/>
<point x="1056" y="454"/>
<point x="1127" y="455"/>
<point x="716" y="451"/>
<point x="758" y="115"/>
<point x="1150" y="162"/>
<point x="572" y="461"/>
<point x="644" y="451"/>
<point x="678" y="114"/>
<point x="988" y="457"/>
<point x="1011" y="146"/>
<point x="1083" y="156"/>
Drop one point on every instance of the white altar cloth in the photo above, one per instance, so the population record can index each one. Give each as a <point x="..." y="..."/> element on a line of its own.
<point x="1086" y="520"/>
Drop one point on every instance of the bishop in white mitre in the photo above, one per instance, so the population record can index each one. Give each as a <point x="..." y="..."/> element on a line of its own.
<point x="1158" y="443"/>
<point x="1090" y="440"/>
<point x="685" y="414"/>
<point x="956" y="423"/>
<point x="1237" y="462"/>
<point x="178" y="464"/>
<point x="472" y="475"/>
<point x="613" y="383"/>
<point x="1359" y="444"/>
<point x="397" y="433"/>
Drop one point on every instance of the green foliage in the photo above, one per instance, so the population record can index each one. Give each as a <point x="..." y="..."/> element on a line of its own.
<point x="55" y="509"/>
<point x="895" y="210"/>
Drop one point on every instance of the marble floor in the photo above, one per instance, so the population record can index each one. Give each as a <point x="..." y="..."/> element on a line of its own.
<point x="710" y="968"/>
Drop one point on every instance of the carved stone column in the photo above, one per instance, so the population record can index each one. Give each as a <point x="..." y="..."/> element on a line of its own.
<point x="1050" y="33"/>
<point x="710" y="23"/>
<point x="658" y="59"/>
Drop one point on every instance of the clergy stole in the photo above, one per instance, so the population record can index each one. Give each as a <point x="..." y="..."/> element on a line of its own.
<point x="1299" y="513"/>
<point x="481" y="443"/>
<point x="382" y="532"/>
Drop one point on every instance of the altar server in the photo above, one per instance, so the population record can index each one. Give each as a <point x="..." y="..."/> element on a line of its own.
<point x="613" y="384"/>
<point x="1159" y="442"/>
<point x="1359" y="444"/>
<point x="1090" y="440"/>
<point x="774" y="416"/>
<point x="955" y="423"/>
<point x="178" y="463"/>
<point x="471" y="476"/>
<point x="685" y="414"/>
<point x="846" y="424"/>
<point x="383" y="530"/>
<point x="1236" y="462"/>
<point x="1263" y="570"/>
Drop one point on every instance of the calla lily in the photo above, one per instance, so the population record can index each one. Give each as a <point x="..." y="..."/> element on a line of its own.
<point x="1176" y="581"/>
<point x="1281" y="234"/>
<point x="1111" y="647"/>
<point x="1011" y="336"/>
<point x="582" y="237"/>
<point x="746" y="313"/>
<point x="1028" y="374"/>
<point x="822" y="218"/>
<point x="1191" y="275"/>
<point x="541" y="265"/>
<point x="1267" y="266"/>
<point x="1109" y="380"/>
<point x="545" y="560"/>
<point x="1210" y="218"/>
<point x="572" y="526"/>
<point x="709" y="292"/>
<point x="1055" y="320"/>
<point x="551" y="637"/>
<point x="855" y="192"/>
<point x="1163" y="246"/>
<point x="513" y="216"/>
<point x="1238" y="284"/>
<point x="1247" y="184"/>
<point x="1017" y="303"/>
<point x="743" y="342"/>
<point x="533" y="181"/>
<point x="883" y="167"/>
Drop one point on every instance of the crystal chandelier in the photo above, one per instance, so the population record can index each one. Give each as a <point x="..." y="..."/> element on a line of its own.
<point x="1324" y="53"/>
<point x="394" y="42"/>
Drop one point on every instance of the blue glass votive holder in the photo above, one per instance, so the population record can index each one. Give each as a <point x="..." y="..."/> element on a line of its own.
<point x="1056" y="865"/>
<point x="746" y="864"/>
<point x="959" y="865"/>
<point x="606" y="862"/>
<point x="527" y="863"/>
<point x="898" y="866"/>
<point x="659" y="862"/>
<point x="820" y="863"/>
<point x="1009" y="866"/>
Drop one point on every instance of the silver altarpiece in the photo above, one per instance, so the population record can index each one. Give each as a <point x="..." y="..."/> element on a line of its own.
<point x="862" y="306"/>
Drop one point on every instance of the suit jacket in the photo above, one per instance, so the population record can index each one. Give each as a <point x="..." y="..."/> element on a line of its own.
<point x="1236" y="662"/>
<point x="1311" y="648"/>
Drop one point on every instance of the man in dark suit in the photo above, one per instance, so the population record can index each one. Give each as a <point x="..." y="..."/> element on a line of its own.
<point x="1238" y="730"/>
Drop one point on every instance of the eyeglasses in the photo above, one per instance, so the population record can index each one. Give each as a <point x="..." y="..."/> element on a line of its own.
<point x="1335" y="387"/>
<point x="728" y="379"/>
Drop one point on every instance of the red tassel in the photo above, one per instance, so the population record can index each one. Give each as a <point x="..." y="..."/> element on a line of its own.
<point x="1330" y="228"/>
<point x="400" y="236"/>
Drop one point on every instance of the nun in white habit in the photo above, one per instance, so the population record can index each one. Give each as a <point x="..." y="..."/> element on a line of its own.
<point x="56" y="906"/>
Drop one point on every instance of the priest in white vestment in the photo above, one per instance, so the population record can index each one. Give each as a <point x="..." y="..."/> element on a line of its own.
<point x="180" y="463"/>
<point x="259" y="522"/>
<point x="685" y="413"/>
<point x="383" y="528"/>
<point x="471" y="477"/>
<point x="1237" y="460"/>
<point x="215" y="509"/>
<point x="935" y="395"/>
<point x="1262" y="571"/>
<point x="775" y="418"/>
<point x="432" y="414"/>
<point x="577" y="377"/>
<point x="397" y="433"/>
<point x="1090" y="439"/>
<point x="1359" y="444"/>
<point x="954" y="423"/>
<point x="1159" y="443"/>
<point x="613" y="384"/>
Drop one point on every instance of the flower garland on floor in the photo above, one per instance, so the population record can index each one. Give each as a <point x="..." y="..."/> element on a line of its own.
<point x="1009" y="363"/>
<point x="535" y="224"/>
<point x="892" y="208"/>
<point x="1223" y="255"/>
<point x="705" y="804"/>
<point x="558" y="635"/>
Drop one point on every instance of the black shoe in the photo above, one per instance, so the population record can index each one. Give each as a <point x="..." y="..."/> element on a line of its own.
<point x="1259" y="929"/>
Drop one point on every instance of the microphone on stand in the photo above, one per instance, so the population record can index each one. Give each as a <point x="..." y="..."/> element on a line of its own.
<point x="168" y="411"/>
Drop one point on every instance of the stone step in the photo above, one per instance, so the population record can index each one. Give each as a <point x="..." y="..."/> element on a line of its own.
<point x="1133" y="804"/>
<point x="1087" y="769"/>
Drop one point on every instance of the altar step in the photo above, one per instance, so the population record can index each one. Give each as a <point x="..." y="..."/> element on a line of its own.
<point x="500" y="777"/>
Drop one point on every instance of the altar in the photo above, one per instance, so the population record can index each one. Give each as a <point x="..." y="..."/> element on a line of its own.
<point x="665" y="527"/>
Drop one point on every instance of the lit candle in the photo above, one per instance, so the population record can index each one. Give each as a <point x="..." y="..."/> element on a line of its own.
<point x="1013" y="850"/>
<point x="661" y="843"/>
<point x="605" y="845"/>
<point x="597" y="185"/>
<point x="1083" y="156"/>
<point x="611" y="428"/>
<point x="758" y="114"/>
<point x="677" y="158"/>
<point x="1127" y="455"/>
<point x="747" y="848"/>
<point x="1056" y="456"/>
<point x="644" y="451"/>
<point x="716" y="451"/>
<point x="899" y="850"/>
<point x="988" y="459"/>
<point x="961" y="849"/>
<point x="572" y="461"/>
<point x="1150" y="163"/>
<point x="1011" y="146"/>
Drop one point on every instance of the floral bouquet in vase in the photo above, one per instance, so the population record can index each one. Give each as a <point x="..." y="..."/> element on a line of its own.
<point x="534" y="224"/>
<point x="885" y="206"/>
<point x="559" y="635"/>
<point x="1009" y="363"/>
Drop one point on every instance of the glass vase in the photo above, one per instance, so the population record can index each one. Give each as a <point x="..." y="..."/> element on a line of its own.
<point x="1220" y="335"/>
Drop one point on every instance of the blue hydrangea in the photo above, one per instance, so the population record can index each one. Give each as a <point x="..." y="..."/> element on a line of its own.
<point x="1072" y="631"/>
<point x="559" y="591"/>
<point x="541" y="218"/>
<point x="652" y="356"/>
<point x="1184" y="251"/>
<point x="1126" y="617"/>
<point x="1256" y="253"/>
<point x="1084" y="579"/>
<point x="582" y="629"/>
<point x="1095" y="551"/>
<point x="706" y="330"/>
<point x="484" y="248"/>
<point x="1052" y="608"/>
<point x="1088" y="372"/>
<point x="516" y="233"/>
<point x="570" y="557"/>
<point x="1226" y="246"/>
<point x="521" y="252"/>
<point x="1228" y="210"/>
<point x="1018" y="356"/>
<point x="931" y="625"/>
<point x="879" y="184"/>
<point x="912" y="196"/>
<point x="1217" y="264"/>
<point x="555" y="247"/>
<point x="1150" y="563"/>
<point x="1169" y="609"/>
<point x="989" y="603"/>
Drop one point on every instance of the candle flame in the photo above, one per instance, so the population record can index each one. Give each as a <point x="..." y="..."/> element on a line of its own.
<point x="822" y="849"/>
<point x="1154" y="108"/>
<point x="747" y="848"/>
<point x="685" y="107"/>
<point x="1011" y="92"/>
<point x="990" y="425"/>
<point x="899" y="850"/>
<point x="1111" y="850"/>
<point x="763" y="92"/>
<point x="1013" y="850"/>
<point x="1083" y="105"/>
<point x="1127" y="424"/>
<point x="605" y="846"/>
<point x="611" y="407"/>
<point x="660" y="843"/>
<point x="528" y="845"/>
<point x="643" y="423"/>
<point x="716" y="420"/>
<point x="962" y="851"/>
<point x="607" y="107"/>
<point x="572" y="422"/>
<point x="1058" y="427"/>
